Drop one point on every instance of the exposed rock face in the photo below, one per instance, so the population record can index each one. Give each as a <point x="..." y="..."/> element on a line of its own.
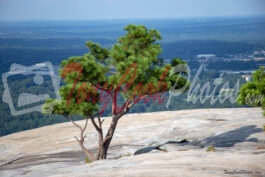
<point x="176" y="143"/>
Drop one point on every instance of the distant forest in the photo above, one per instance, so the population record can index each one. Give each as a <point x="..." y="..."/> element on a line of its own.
<point x="28" y="43"/>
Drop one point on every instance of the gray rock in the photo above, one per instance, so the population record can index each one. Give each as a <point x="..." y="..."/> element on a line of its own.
<point x="236" y="134"/>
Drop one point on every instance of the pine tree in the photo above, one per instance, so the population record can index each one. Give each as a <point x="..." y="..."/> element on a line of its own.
<point x="253" y="93"/>
<point x="131" y="69"/>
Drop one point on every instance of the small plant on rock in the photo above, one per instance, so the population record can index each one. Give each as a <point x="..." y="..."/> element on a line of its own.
<point x="87" y="160"/>
<point x="210" y="148"/>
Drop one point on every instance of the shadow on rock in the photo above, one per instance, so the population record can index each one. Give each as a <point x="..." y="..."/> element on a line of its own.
<point x="229" y="139"/>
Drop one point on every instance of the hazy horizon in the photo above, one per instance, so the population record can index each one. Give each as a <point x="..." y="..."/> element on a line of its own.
<point x="138" y="19"/>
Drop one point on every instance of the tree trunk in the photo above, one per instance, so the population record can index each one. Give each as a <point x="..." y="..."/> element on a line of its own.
<point x="104" y="145"/>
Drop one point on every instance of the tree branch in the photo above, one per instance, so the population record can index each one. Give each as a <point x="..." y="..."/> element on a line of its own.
<point x="103" y="89"/>
<point x="87" y="152"/>
<point x="114" y="102"/>
<point x="82" y="137"/>
<point x="95" y="125"/>
<point x="73" y="122"/>
<point x="86" y="123"/>
<point x="98" y="127"/>
<point x="137" y="100"/>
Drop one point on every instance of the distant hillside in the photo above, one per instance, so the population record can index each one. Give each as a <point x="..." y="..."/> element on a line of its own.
<point x="35" y="42"/>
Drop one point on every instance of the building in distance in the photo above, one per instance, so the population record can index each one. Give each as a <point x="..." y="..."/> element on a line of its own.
<point x="205" y="56"/>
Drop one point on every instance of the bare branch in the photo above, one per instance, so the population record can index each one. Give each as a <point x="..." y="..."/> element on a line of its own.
<point x="86" y="123"/>
<point x="82" y="137"/>
<point x="98" y="127"/>
<point x="73" y="122"/>
<point x="102" y="121"/>
<point x="87" y="152"/>
<point x="85" y="128"/>
<point x="95" y="124"/>
<point x="76" y="124"/>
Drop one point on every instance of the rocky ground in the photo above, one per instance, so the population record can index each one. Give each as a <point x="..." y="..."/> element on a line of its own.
<point x="205" y="142"/>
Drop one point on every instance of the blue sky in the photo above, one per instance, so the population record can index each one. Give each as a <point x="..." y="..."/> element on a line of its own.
<point x="124" y="9"/>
